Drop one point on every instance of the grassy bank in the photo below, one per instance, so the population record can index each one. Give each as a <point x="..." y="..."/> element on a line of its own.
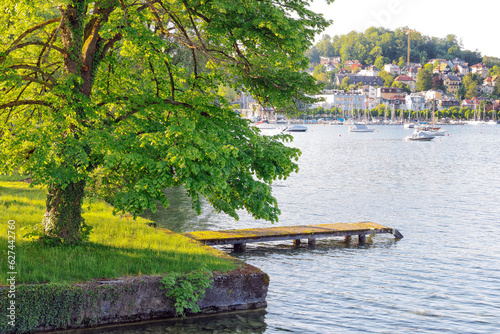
<point x="117" y="246"/>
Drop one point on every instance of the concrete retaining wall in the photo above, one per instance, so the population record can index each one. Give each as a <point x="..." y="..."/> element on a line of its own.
<point x="136" y="299"/>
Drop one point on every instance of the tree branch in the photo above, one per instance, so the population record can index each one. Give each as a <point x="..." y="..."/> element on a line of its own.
<point x="30" y="30"/>
<point x="22" y="45"/>
<point x="155" y="78"/>
<point x="25" y="102"/>
<point x="35" y="69"/>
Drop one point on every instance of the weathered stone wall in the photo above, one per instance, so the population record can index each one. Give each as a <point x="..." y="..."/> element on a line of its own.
<point x="49" y="307"/>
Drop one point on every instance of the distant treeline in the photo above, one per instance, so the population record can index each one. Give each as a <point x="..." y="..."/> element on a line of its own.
<point x="455" y="113"/>
<point x="389" y="46"/>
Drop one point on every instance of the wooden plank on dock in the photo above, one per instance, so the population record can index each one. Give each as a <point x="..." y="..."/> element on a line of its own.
<point x="244" y="236"/>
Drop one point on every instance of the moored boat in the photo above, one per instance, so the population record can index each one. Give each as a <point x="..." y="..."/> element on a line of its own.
<point x="419" y="136"/>
<point x="295" y="128"/>
<point x="360" y="127"/>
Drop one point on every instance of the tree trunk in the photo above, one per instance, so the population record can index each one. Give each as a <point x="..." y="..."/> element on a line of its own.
<point x="63" y="219"/>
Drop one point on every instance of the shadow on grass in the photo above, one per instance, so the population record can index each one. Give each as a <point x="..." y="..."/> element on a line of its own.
<point x="30" y="192"/>
<point x="39" y="263"/>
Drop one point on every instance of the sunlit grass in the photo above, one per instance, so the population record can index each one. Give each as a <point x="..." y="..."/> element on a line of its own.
<point x="117" y="246"/>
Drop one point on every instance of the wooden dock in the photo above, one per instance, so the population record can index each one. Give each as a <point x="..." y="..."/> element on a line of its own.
<point x="239" y="238"/>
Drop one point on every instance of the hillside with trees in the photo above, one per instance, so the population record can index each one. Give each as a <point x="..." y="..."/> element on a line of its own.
<point x="380" y="46"/>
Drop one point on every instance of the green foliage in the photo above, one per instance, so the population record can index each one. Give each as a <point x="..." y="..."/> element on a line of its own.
<point x="52" y="303"/>
<point x="187" y="289"/>
<point x="381" y="61"/>
<point x="399" y="84"/>
<point x="471" y="81"/>
<point x="346" y="82"/>
<point x="424" y="79"/>
<point x="319" y="73"/>
<point x="369" y="46"/>
<point x="387" y="77"/>
<point x="460" y="95"/>
<point x="125" y="98"/>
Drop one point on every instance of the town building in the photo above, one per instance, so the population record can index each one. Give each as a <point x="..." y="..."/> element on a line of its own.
<point x="433" y="94"/>
<point x="448" y="103"/>
<point x="452" y="83"/>
<point x="442" y="68"/>
<point x="408" y="81"/>
<point x="480" y="69"/>
<point x="411" y="71"/>
<point x="391" y="92"/>
<point x="489" y="85"/>
<point x="329" y="60"/>
<point x="393" y="69"/>
<point x="363" y="79"/>
<point x="415" y="102"/>
<point x="462" y="69"/>
<point x="371" y="71"/>
<point x="346" y="101"/>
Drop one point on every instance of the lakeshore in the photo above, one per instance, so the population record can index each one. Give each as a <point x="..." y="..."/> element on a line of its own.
<point x="115" y="277"/>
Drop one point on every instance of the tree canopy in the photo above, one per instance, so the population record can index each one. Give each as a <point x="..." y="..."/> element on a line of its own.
<point x="122" y="98"/>
<point x="375" y="42"/>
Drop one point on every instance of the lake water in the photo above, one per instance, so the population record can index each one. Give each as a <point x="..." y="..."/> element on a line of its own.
<point x="443" y="277"/>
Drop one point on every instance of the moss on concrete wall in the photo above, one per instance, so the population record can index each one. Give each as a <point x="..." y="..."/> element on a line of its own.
<point x="61" y="306"/>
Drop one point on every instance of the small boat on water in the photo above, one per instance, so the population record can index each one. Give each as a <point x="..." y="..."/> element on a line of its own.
<point x="264" y="125"/>
<point x="360" y="127"/>
<point x="295" y="128"/>
<point x="409" y="125"/>
<point x="433" y="131"/>
<point x="419" y="136"/>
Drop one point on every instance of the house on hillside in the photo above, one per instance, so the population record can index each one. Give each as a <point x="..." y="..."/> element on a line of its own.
<point x="452" y="83"/>
<point x="411" y="71"/>
<point x="329" y="60"/>
<point x="408" y="81"/>
<point x="392" y="69"/>
<point x="438" y="60"/>
<point x="363" y="79"/>
<point x="480" y="69"/>
<point x="489" y="84"/>
<point x="457" y="61"/>
<point x="442" y="68"/>
<point x="371" y="71"/>
<point x="462" y="69"/>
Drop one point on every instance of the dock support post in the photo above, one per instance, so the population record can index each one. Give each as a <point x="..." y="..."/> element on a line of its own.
<point x="240" y="248"/>
<point x="347" y="239"/>
<point x="311" y="242"/>
<point x="362" y="238"/>
<point x="296" y="242"/>
<point x="397" y="234"/>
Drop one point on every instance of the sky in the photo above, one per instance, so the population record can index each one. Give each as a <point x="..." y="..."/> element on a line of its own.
<point x="474" y="23"/>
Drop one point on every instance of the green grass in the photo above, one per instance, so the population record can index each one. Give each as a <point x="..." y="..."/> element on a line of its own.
<point x="117" y="247"/>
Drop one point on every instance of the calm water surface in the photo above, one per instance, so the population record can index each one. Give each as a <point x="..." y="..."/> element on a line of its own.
<point x="443" y="277"/>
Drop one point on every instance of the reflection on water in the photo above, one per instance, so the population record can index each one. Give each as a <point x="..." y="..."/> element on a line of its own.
<point x="443" y="277"/>
<point x="251" y="322"/>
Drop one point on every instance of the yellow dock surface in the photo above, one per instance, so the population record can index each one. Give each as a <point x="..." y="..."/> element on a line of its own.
<point x="310" y="232"/>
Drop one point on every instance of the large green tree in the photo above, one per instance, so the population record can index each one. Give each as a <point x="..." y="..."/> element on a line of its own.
<point x="122" y="95"/>
<point x="424" y="78"/>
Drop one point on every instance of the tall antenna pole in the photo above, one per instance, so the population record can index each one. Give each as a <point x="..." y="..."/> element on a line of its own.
<point x="408" y="32"/>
